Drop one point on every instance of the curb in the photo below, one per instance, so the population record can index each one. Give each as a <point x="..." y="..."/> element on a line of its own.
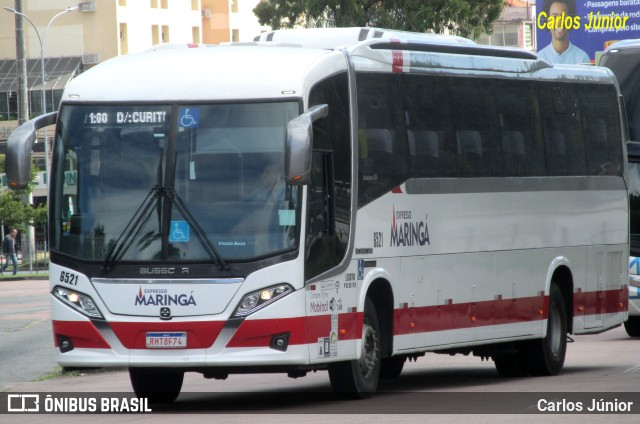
<point x="19" y="277"/>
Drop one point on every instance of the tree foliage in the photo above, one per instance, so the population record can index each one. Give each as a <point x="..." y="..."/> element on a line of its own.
<point x="14" y="212"/>
<point x="468" y="18"/>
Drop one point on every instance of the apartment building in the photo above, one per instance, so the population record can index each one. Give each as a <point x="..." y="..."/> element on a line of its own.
<point x="95" y="31"/>
<point x="229" y="20"/>
<point x="515" y="27"/>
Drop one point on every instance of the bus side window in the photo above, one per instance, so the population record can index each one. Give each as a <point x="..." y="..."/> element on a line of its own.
<point x="520" y="133"/>
<point x="379" y="147"/>
<point x="601" y="130"/>
<point x="478" y="141"/>
<point x="382" y="136"/>
<point x="514" y="153"/>
<point x="470" y="153"/>
<point x="424" y="148"/>
<point x="556" y="153"/>
<point x="428" y="117"/>
<point x="560" y="115"/>
<point x="602" y="160"/>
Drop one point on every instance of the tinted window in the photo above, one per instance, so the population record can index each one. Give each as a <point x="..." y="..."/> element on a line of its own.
<point x="477" y="141"/>
<point x="562" y="126"/>
<point x="520" y="128"/>
<point x="432" y="151"/>
<point x="460" y="126"/>
<point x="601" y="130"/>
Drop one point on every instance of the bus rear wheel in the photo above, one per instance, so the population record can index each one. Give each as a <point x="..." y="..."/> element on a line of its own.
<point x="546" y="355"/>
<point x="158" y="385"/>
<point x="511" y="364"/>
<point x="632" y="326"/>
<point x="358" y="379"/>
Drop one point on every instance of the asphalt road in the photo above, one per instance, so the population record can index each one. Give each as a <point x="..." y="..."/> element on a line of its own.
<point x="436" y="388"/>
<point x="26" y="341"/>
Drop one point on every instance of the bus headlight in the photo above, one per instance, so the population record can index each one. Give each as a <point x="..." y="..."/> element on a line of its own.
<point x="78" y="301"/>
<point x="257" y="300"/>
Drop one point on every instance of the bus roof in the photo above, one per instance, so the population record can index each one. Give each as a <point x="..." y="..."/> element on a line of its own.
<point x="219" y="72"/>
<point x="275" y="67"/>
<point x="330" y="38"/>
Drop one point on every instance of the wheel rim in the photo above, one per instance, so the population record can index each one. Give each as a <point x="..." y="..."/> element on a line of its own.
<point x="369" y="358"/>
<point x="555" y="332"/>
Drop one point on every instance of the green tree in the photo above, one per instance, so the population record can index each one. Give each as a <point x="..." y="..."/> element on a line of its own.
<point x="468" y="18"/>
<point x="14" y="212"/>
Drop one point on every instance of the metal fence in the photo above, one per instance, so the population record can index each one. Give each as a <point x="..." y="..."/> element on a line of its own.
<point x="39" y="262"/>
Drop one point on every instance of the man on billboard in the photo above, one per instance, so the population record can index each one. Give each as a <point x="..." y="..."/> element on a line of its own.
<point x="560" y="19"/>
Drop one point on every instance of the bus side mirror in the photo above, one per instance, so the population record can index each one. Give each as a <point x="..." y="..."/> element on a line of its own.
<point x="19" y="147"/>
<point x="299" y="145"/>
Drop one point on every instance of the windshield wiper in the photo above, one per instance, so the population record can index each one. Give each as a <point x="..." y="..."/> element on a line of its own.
<point x="141" y="217"/>
<point x="206" y="243"/>
<point x="134" y="227"/>
<point x="137" y="221"/>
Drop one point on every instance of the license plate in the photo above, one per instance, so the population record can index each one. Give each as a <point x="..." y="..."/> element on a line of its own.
<point x="176" y="340"/>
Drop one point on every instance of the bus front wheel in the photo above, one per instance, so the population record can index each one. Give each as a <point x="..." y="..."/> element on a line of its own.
<point x="158" y="385"/>
<point x="392" y="367"/>
<point x="358" y="379"/>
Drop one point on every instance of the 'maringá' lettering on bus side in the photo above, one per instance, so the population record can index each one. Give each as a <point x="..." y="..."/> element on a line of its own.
<point x="406" y="232"/>
<point x="164" y="299"/>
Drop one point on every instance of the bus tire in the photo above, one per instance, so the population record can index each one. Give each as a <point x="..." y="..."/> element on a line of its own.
<point x="546" y="355"/>
<point x="158" y="385"/>
<point x="358" y="379"/>
<point x="632" y="326"/>
<point x="391" y="367"/>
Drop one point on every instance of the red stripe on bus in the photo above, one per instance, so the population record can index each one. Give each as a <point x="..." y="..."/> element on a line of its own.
<point x="501" y="311"/>
<point x="307" y="330"/>
<point x="83" y="334"/>
<point x="455" y="316"/>
<point x="258" y="333"/>
<point x="398" y="61"/>
<point x="601" y="302"/>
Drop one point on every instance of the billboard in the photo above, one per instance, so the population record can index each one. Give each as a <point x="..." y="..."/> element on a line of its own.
<point x="576" y="31"/>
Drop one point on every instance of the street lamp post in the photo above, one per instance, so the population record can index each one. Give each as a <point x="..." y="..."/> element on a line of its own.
<point x="43" y="95"/>
<point x="42" y="73"/>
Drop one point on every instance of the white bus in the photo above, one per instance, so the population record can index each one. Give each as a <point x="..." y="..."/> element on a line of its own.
<point x="623" y="58"/>
<point x="335" y="199"/>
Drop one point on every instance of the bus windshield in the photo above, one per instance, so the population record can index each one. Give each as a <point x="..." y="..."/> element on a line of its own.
<point x="173" y="182"/>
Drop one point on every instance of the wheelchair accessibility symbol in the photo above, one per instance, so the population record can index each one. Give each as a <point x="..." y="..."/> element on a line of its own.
<point x="189" y="118"/>
<point x="179" y="232"/>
